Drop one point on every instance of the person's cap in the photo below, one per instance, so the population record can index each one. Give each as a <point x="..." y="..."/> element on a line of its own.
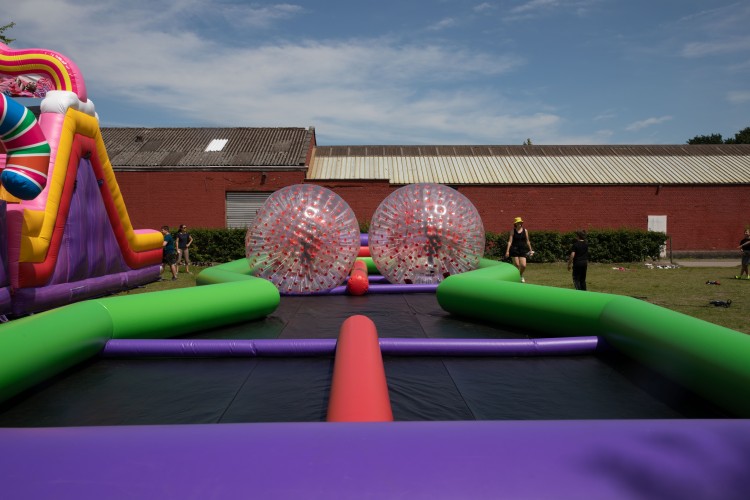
<point x="518" y="220"/>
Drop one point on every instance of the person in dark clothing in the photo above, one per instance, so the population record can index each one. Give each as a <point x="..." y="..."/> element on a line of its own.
<point x="183" y="241"/>
<point x="519" y="246"/>
<point x="579" y="260"/>
<point x="745" y="249"/>
<point x="169" y="256"/>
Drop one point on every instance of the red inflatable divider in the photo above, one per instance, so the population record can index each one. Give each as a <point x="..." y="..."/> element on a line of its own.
<point x="359" y="282"/>
<point x="364" y="252"/>
<point x="359" y="392"/>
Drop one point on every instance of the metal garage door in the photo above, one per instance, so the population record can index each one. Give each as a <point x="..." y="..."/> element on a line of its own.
<point x="243" y="206"/>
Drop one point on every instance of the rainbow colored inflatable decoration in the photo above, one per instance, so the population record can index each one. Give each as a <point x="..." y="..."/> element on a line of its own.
<point x="27" y="161"/>
<point x="66" y="231"/>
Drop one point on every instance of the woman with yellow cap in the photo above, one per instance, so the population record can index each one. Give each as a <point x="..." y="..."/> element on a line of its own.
<point x="519" y="246"/>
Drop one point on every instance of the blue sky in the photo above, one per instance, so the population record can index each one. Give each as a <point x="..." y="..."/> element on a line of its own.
<point x="410" y="72"/>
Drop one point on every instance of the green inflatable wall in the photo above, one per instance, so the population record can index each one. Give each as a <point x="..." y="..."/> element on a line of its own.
<point x="35" y="348"/>
<point x="709" y="359"/>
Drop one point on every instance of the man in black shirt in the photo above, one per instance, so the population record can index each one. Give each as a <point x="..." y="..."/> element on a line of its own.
<point x="579" y="260"/>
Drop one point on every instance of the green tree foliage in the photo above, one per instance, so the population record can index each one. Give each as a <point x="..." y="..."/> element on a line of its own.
<point x="3" y="38"/>
<point x="741" y="137"/>
<point x="706" y="139"/>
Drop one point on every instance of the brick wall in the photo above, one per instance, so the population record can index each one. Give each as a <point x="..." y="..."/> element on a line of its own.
<point x="699" y="218"/>
<point x="197" y="199"/>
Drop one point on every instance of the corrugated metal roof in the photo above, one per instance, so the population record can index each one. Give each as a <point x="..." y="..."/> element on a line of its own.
<point x="679" y="164"/>
<point x="246" y="147"/>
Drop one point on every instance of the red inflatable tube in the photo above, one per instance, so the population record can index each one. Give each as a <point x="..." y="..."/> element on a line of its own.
<point x="364" y="252"/>
<point x="359" y="282"/>
<point x="359" y="392"/>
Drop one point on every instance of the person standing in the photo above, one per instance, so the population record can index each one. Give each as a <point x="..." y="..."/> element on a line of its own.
<point x="745" y="249"/>
<point x="579" y="260"/>
<point x="519" y="246"/>
<point x="184" y="240"/>
<point x="169" y="255"/>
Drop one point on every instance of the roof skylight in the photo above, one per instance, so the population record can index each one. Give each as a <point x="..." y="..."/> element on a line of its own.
<point x="216" y="145"/>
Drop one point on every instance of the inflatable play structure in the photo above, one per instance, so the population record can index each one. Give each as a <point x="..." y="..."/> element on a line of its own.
<point x="328" y="364"/>
<point x="66" y="235"/>
<point x="475" y="457"/>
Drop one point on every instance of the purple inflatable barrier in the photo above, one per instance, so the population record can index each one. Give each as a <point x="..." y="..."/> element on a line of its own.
<point x="375" y="288"/>
<point x="612" y="459"/>
<point x="27" y="300"/>
<point x="218" y="348"/>
<point x="323" y="347"/>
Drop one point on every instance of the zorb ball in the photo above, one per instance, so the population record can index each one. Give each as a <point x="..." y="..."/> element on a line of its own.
<point x="423" y="233"/>
<point x="304" y="239"/>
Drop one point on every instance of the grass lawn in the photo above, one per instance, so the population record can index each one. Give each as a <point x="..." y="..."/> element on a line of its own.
<point x="683" y="289"/>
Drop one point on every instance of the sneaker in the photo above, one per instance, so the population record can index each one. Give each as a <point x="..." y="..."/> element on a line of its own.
<point x="737" y="277"/>
<point x="523" y="280"/>
<point x="174" y="279"/>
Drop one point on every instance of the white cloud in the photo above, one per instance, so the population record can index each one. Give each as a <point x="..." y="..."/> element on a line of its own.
<point x="442" y="24"/>
<point x="536" y="8"/>
<point x="724" y="46"/>
<point x="534" y="5"/>
<point x="738" y="96"/>
<point x="189" y="62"/>
<point x="484" y="7"/>
<point x="380" y="88"/>
<point x="648" y="122"/>
<point x="605" y="115"/>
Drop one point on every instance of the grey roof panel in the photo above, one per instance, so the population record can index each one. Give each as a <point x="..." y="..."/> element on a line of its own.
<point x="628" y="164"/>
<point x="156" y="148"/>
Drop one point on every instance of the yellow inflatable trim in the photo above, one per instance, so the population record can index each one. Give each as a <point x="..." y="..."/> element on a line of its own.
<point x="39" y="225"/>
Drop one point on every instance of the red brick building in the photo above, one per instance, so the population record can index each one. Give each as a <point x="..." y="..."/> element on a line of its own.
<point x="218" y="177"/>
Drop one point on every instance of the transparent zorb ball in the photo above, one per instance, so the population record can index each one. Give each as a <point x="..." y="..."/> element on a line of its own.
<point x="423" y="233"/>
<point x="304" y="239"/>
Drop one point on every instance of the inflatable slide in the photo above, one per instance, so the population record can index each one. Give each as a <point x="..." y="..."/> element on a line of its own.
<point x="66" y="231"/>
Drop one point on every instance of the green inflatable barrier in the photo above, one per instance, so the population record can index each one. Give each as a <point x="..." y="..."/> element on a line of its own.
<point x="38" y="347"/>
<point x="708" y="359"/>
<point x="236" y="270"/>
<point x="186" y="310"/>
<point x="494" y="293"/>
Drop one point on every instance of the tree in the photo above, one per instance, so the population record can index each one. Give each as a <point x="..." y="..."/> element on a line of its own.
<point x="741" y="137"/>
<point x="3" y="38"/>
<point x="706" y="139"/>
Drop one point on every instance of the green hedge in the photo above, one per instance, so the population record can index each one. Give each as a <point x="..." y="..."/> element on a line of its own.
<point x="605" y="245"/>
<point x="216" y="245"/>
